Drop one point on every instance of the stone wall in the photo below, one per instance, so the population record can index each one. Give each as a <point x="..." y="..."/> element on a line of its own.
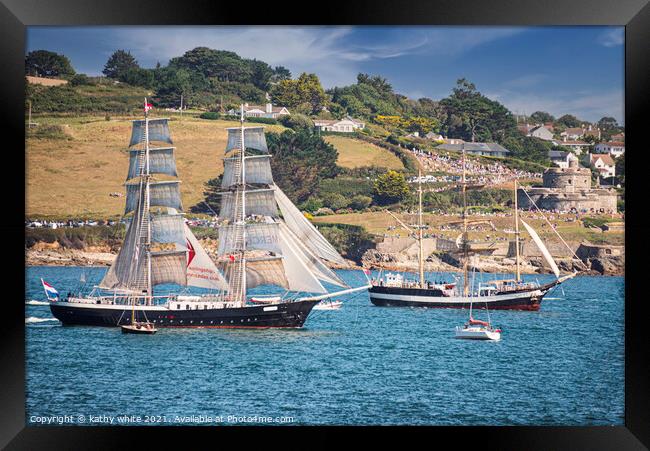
<point x="553" y="199"/>
<point x="567" y="179"/>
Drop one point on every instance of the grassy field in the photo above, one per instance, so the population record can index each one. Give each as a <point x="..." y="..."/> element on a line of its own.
<point x="72" y="176"/>
<point x="354" y="153"/>
<point x="75" y="162"/>
<point x="379" y="222"/>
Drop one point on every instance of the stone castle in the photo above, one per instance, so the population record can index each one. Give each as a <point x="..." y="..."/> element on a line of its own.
<point x="569" y="188"/>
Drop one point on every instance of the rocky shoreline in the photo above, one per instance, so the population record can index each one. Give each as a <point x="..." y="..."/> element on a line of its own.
<point x="51" y="254"/>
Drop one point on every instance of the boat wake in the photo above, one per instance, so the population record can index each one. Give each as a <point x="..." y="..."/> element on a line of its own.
<point x="34" y="319"/>
<point x="35" y="302"/>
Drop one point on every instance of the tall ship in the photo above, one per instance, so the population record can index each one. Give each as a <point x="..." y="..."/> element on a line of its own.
<point x="264" y="240"/>
<point x="396" y="290"/>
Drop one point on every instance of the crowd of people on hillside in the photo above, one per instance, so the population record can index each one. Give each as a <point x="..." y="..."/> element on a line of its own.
<point x="476" y="172"/>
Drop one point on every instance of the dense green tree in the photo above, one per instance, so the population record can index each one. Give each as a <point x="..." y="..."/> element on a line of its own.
<point x="43" y="63"/>
<point x="473" y="117"/>
<point x="300" y="161"/>
<point x="390" y="187"/>
<point x="280" y="73"/>
<point x="542" y="117"/>
<point x="620" y="168"/>
<point x="568" y="120"/>
<point x="119" y="63"/>
<point x="306" y="92"/>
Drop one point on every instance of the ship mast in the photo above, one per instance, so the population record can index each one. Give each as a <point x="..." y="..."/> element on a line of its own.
<point x="518" y="270"/>
<point x="421" y="251"/>
<point x="242" y="218"/>
<point x="147" y="200"/>
<point x="465" y="238"/>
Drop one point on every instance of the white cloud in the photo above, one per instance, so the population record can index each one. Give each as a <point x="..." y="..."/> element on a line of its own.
<point x="612" y="37"/>
<point x="331" y="52"/>
<point x="586" y="105"/>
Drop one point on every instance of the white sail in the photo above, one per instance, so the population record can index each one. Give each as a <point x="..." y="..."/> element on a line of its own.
<point x="258" y="202"/>
<point x="158" y="131"/>
<point x="161" y="194"/>
<point x="168" y="267"/>
<point x="259" y="236"/>
<point x="305" y="230"/>
<point x="167" y="229"/>
<point x="542" y="248"/>
<point x="253" y="136"/>
<point x="201" y="270"/>
<point x="258" y="170"/>
<point x="299" y="275"/>
<point x="315" y="265"/>
<point x="161" y="161"/>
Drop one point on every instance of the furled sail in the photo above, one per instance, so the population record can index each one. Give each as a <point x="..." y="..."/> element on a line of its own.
<point x="158" y="131"/>
<point x="542" y="248"/>
<point x="168" y="267"/>
<point x="258" y="202"/>
<point x="161" y="161"/>
<point x="201" y="270"/>
<point x="127" y="270"/>
<point x="259" y="236"/>
<point x="161" y="194"/>
<point x="253" y="138"/>
<point x="258" y="170"/>
<point x="305" y="230"/>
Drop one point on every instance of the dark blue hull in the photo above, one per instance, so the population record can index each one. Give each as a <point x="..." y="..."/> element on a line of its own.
<point x="284" y="315"/>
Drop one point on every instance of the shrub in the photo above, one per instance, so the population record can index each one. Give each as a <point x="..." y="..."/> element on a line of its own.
<point x="335" y="201"/>
<point x="297" y="121"/>
<point x="262" y="120"/>
<point x="211" y="115"/>
<point x="360" y="202"/>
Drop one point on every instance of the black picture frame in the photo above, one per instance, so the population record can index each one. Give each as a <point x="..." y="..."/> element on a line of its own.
<point x="16" y="15"/>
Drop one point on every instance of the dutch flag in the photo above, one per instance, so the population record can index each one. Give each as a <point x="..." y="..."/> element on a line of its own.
<point x="50" y="290"/>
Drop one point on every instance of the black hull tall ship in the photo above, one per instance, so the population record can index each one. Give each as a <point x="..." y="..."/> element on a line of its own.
<point x="264" y="240"/>
<point x="394" y="290"/>
<point x="185" y="314"/>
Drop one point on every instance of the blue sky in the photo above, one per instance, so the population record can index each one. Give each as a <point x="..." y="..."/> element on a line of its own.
<point x="574" y="70"/>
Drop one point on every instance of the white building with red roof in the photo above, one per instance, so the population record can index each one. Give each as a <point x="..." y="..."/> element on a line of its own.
<point x="615" y="148"/>
<point x="604" y="163"/>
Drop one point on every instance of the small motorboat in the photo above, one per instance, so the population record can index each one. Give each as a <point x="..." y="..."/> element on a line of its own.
<point x="478" y="330"/>
<point x="328" y="305"/>
<point x="139" y="328"/>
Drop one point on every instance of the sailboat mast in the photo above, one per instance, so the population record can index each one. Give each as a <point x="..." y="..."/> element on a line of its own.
<point x="465" y="240"/>
<point x="518" y="270"/>
<point x="147" y="193"/>
<point x="421" y="253"/>
<point x="243" y="212"/>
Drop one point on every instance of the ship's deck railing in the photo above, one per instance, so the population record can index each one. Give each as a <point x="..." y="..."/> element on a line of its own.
<point x="149" y="300"/>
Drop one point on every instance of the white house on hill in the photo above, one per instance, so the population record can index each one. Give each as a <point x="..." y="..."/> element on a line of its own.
<point x="345" y="125"/>
<point x="268" y="111"/>
<point x="485" y="149"/>
<point x="616" y="148"/>
<point x="604" y="163"/>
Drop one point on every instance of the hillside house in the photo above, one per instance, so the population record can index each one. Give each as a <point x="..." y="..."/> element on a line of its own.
<point x="579" y="147"/>
<point x="575" y="133"/>
<point x="345" y="125"/>
<point x="559" y="158"/>
<point x="484" y="149"/>
<point x="604" y="163"/>
<point x="615" y="148"/>
<point x="541" y="132"/>
<point x="620" y="137"/>
<point x="267" y="111"/>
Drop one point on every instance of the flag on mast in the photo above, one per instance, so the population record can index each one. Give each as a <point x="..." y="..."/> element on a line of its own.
<point x="50" y="290"/>
<point x="147" y="106"/>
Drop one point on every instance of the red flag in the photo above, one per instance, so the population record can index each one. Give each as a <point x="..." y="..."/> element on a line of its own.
<point x="232" y="258"/>
<point x="147" y="107"/>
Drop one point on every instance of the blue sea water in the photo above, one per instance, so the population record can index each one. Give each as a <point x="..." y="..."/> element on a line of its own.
<point x="361" y="365"/>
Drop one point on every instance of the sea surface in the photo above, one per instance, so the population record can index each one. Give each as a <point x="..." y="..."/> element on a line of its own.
<point x="361" y="365"/>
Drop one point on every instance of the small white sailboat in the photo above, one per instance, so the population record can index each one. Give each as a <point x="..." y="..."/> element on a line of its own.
<point x="475" y="329"/>
<point x="328" y="305"/>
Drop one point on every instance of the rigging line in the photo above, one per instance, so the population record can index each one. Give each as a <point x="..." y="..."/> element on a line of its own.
<point x="553" y="228"/>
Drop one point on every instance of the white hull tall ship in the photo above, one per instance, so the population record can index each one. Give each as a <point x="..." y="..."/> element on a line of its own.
<point x="256" y="247"/>
<point x="394" y="290"/>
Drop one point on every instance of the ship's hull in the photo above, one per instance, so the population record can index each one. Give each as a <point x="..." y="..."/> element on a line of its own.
<point x="417" y="297"/>
<point x="282" y="315"/>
